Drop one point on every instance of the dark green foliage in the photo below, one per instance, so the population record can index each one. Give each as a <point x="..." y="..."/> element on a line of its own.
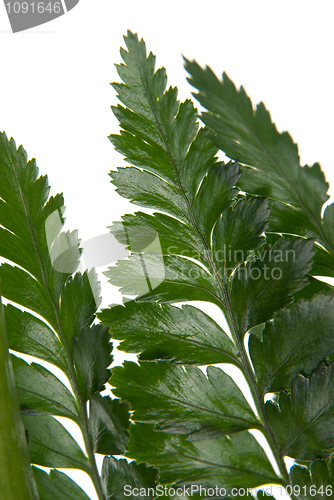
<point x="63" y="335"/>
<point x="57" y="485"/>
<point x="236" y="461"/>
<point x="239" y="231"/>
<point x="15" y="481"/>
<point x="41" y="392"/>
<point x="91" y="355"/>
<point x="30" y="335"/>
<point x="318" y="482"/>
<point x="117" y="473"/>
<point x="278" y="363"/>
<point x="254" y="254"/>
<point x="50" y="445"/>
<point x="109" y="424"/>
<point x="184" y="400"/>
<point x="263" y="286"/>
<point x="303" y="420"/>
<point x="271" y="165"/>
<point x="152" y="330"/>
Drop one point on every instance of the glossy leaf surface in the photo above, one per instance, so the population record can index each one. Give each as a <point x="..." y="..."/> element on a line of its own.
<point x="184" y="400"/>
<point x="236" y="461"/>
<point x="161" y="331"/>
<point x="272" y="165"/>
<point x="57" y="486"/>
<point x="121" y="478"/>
<point x="264" y="285"/>
<point x="278" y="363"/>
<point x="303" y="423"/>
<point x="314" y="483"/>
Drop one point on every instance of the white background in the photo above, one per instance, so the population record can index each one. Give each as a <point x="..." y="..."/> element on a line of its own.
<point x="55" y="95"/>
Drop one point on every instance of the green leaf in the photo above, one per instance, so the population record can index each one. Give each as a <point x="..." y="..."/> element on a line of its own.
<point x="30" y="335"/>
<point x="303" y="421"/>
<point x="122" y="479"/>
<point x="41" y="279"/>
<point x="184" y="400"/>
<point x="238" y="232"/>
<point x="57" y="486"/>
<point x="160" y="136"/>
<point x="16" y="478"/>
<point x="19" y="252"/>
<point x="199" y="157"/>
<point x="300" y="478"/>
<point x="109" y="424"/>
<point x="328" y="223"/>
<point x="20" y="287"/>
<point x="198" y="160"/>
<point x="159" y="139"/>
<point x="262" y="286"/>
<point x="290" y="224"/>
<point x="162" y="331"/>
<point x="251" y="138"/>
<point x="285" y="218"/>
<point x="316" y="483"/>
<point x="148" y="190"/>
<point x="50" y="444"/>
<point x="139" y="231"/>
<point x="79" y="301"/>
<point x="215" y="195"/>
<point x="140" y="150"/>
<point x="157" y="115"/>
<point x="312" y="288"/>
<point x="278" y="363"/>
<point x="91" y="356"/>
<point x="32" y="222"/>
<point x="323" y="263"/>
<point x="39" y="390"/>
<point x="153" y="278"/>
<point x="229" y="462"/>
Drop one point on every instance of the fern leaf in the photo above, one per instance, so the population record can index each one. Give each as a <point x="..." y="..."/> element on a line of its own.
<point x="277" y="364"/>
<point x="206" y="242"/>
<point x="57" y="485"/>
<point x="40" y="277"/>
<point x="319" y="480"/>
<point x="137" y="477"/>
<point x="250" y="137"/>
<point x="237" y="461"/>
<point x="184" y="400"/>
<point x="16" y="480"/>
<point x="151" y="329"/>
<point x="303" y="421"/>
<point x="271" y="164"/>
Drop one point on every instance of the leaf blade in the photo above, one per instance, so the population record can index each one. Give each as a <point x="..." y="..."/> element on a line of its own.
<point x="278" y="363"/>
<point x="183" y="400"/>
<point x="161" y="331"/>
<point x="303" y="422"/>
<point x="235" y="462"/>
